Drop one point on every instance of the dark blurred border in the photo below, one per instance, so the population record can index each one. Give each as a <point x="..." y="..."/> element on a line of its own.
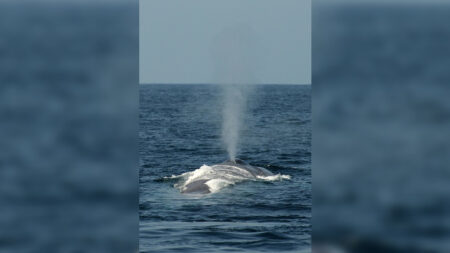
<point x="68" y="126"/>
<point x="381" y="116"/>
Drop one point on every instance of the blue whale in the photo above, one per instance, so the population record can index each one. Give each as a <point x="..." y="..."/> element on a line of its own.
<point x="208" y="179"/>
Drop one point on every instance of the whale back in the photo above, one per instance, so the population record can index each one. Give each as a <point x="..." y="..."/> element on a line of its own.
<point x="235" y="162"/>
<point x="207" y="178"/>
<point x="254" y="170"/>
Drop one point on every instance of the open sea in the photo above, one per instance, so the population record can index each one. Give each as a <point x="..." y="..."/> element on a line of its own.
<point x="180" y="130"/>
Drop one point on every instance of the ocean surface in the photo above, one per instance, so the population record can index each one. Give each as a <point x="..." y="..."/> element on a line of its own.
<point x="180" y="130"/>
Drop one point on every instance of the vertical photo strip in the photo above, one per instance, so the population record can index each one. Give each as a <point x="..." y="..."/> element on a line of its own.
<point x="225" y="126"/>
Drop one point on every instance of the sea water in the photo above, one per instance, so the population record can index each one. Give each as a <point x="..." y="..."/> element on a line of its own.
<point x="180" y="138"/>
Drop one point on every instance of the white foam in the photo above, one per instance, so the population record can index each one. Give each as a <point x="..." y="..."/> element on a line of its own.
<point x="277" y="177"/>
<point x="173" y="177"/>
<point x="217" y="184"/>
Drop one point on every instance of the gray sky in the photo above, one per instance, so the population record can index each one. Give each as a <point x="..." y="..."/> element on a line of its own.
<point x="204" y="41"/>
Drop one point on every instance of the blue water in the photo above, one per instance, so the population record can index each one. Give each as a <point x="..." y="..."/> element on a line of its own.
<point x="180" y="128"/>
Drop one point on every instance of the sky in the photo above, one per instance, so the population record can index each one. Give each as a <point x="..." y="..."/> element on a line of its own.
<point x="215" y="41"/>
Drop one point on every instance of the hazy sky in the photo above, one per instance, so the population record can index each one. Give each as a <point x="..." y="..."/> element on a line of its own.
<point x="204" y="41"/>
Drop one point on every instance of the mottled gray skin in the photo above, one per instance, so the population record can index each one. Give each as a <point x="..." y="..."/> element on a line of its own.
<point x="199" y="186"/>
<point x="255" y="171"/>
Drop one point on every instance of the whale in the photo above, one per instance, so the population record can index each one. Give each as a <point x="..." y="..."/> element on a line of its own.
<point x="254" y="170"/>
<point x="209" y="179"/>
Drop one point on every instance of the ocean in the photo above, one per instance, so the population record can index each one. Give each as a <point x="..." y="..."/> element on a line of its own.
<point x="180" y="130"/>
